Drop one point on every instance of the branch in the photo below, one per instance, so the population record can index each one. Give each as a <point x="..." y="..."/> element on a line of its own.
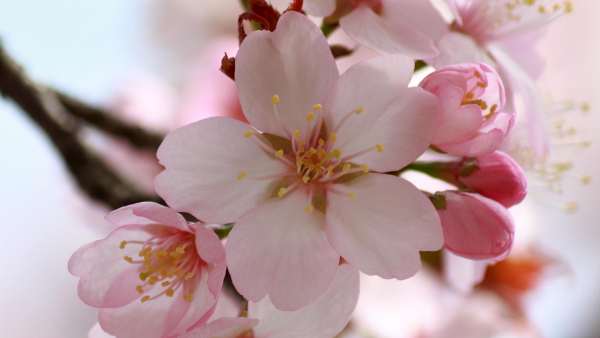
<point x="94" y="177"/>
<point x="109" y="123"/>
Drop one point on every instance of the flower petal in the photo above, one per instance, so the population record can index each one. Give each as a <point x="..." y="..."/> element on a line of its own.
<point x="293" y="62"/>
<point x="161" y="317"/>
<point x="319" y="8"/>
<point x="97" y="332"/>
<point x="388" y="35"/>
<point x="379" y="223"/>
<point x="209" y="170"/>
<point x="280" y="250"/>
<point x="398" y="118"/>
<point x="106" y="279"/>
<point x="458" y="48"/>
<point x="324" y="318"/>
<point x="463" y="274"/>
<point x="208" y="245"/>
<point x="147" y="213"/>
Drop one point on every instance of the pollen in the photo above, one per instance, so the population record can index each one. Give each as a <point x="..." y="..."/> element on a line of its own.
<point x="309" y="208"/>
<point x="275" y="99"/>
<point x="586" y="180"/>
<point x="310" y="117"/>
<point x="128" y="259"/>
<point x="145" y="299"/>
<point x="297" y="133"/>
<point x="359" y="110"/>
<point x="281" y="192"/>
<point x="379" y="148"/>
<point x="242" y="175"/>
<point x="188" y="298"/>
<point x="139" y="289"/>
<point x="169" y="292"/>
<point x="364" y="168"/>
<point x="351" y="195"/>
<point x="279" y="153"/>
<point x="248" y="134"/>
<point x="346" y="167"/>
<point x="332" y="138"/>
<point x="123" y="244"/>
<point x="317" y="107"/>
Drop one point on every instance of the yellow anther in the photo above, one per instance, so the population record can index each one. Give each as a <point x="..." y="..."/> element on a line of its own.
<point x="336" y="153"/>
<point x="188" y="297"/>
<point x="571" y="207"/>
<point x="332" y="137"/>
<point x="248" y="134"/>
<point x="189" y="275"/>
<point x="123" y="244"/>
<point x="139" y="289"/>
<point x="346" y="168"/>
<point x="321" y="142"/>
<point x="279" y="153"/>
<point x="145" y="299"/>
<point x="297" y="133"/>
<point x="379" y="148"/>
<point x="275" y="99"/>
<point x="170" y="292"/>
<point x="309" y="209"/>
<point x="242" y="175"/>
<point x="165" y="284"/>
<point x="281" y="192"/>
<point x="364" y="168"/>
<point x="317" y="107"/>
<point x="352" y="195"/>
<point x="128" y="259"/>
<point x="585" y="107"/>
<point x="305" y="179"/>
<point x="359" y="110"/>
<point x="310" y="116"/>
<point x="162" y="253"/>
<point x="568" y="6"/>
<point x="144" y="276"/>
<point x="152" y="280"/>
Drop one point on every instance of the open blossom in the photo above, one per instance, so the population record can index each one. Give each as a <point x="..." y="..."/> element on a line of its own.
<point x="303" y="182"/>
<point x="475" y="227"/>
<point x="472" y="117"/>
<point x="496" y="176"/>
<point x="504" y="33"/>
<point x="153" y="276"/>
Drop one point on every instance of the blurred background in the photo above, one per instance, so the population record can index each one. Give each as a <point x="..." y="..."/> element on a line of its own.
<point x="156" y="61"/>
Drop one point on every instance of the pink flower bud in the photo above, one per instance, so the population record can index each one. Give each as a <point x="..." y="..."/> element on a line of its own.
<point x="496" y="176"/>
<point x="475" y="227"/>
<point x="471" y="117"/>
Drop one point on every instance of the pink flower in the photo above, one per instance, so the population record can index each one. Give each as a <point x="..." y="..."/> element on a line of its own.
<point x="472" y="119"/>
<point x="475" y="227"/>
<point x="303" y="183"/>
<point x="496" y="176"/>
<point x="324" y="318"/>
<point x="153" y="276"/>
<point x="504" y="34"/>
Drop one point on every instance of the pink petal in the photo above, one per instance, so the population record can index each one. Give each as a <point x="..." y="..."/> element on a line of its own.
<point x="394" y="116"/>
<point x="458" y="48"/>
<point x="147" y="213"/>
<point x="324" y="318"/>
<point x="458" y="124"/>
<point x="293" y="62"/>
<point x="203" y="163"/>
<point x="280" y="250"/>
<point x="482" y="144"/>
<point x="379" y="223"/>
<point x="208" y="245"/>
<point x="161" y="317"/>
<point x="106" y="279"/>
<point x="476" y="227"/>
<point x="223" y="328"/>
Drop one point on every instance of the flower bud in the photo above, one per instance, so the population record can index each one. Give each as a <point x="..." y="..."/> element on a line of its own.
<point x="471" y="117"/>
<point x="474" y="226"/>
<point x="496" y="176"/>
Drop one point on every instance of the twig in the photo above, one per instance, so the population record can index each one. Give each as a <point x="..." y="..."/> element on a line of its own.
<point x="110" y="123"/>
<point x="100" y="182"/>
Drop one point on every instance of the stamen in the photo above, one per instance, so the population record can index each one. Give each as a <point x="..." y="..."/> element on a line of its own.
<point x="317" y="107"/>
<point x="248" y="134"/>
<point x="281" y="192"/>
<point x="310" y="117"/>
<point x="379" y="148"/>
<point x="275" y="99"/>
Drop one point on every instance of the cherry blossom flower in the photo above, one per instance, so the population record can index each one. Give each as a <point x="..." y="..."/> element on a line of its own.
<point x="475" y="227"/>
<point x="303" y="182"/>
<point x="504" y="33"/>
<point x="472" y="117"/>
<point x="153" y="276"/>
<point x="324" y="318"/>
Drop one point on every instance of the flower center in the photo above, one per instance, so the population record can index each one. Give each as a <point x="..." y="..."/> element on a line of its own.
<point x="475" y="95"/>
<point x="166" y="262"/>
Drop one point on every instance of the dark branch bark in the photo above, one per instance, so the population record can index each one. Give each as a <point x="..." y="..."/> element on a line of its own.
<point x="110" y="123"/>
<point x="100" y="182"/>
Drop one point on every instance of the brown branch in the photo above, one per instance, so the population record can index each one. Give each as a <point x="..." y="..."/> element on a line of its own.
<point x="94" y="177"/>
<point x="109" y="123"/>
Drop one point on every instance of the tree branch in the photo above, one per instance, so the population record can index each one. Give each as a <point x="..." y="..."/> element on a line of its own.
<point x="110" y="123"/>
<point x="93" y="175"/>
